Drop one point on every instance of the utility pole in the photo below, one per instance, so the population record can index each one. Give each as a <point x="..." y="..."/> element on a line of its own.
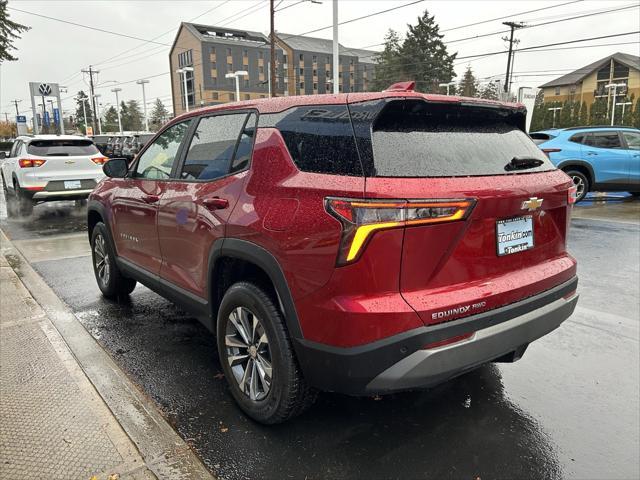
<point x="16" y="102"/>
<point x="116" y="90"/>
<point x="336" y="50"/>
<point x="513" y="26"/>
<point x="272" y="69"/>
<point x="92" y="94"/>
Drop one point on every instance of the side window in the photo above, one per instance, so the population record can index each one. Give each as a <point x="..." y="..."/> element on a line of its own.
<point x="212" y="146"/>
<point x="157" y="161"/>
<point x="245" y="146"/>
<point x="632" y="139"/>
<point x="578" y="138"/>
<point x="604" y="140"/>
<point x="319" y="138"/>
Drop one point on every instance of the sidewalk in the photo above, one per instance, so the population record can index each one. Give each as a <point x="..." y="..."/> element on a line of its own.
<point x="53" y="424"/>
<point x="67" y="411"/>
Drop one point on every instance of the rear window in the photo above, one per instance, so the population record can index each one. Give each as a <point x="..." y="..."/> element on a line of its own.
<point x="61" y="148"/>
<point x="421" y="139"/>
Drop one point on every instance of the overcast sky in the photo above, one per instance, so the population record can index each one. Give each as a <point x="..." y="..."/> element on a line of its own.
<point x="55" y="52"/>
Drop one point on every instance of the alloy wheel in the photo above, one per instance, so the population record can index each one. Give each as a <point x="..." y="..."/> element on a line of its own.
<point x="248" y="353"/>
<point x="580" y="186"/>
<point x="101" y="259"/>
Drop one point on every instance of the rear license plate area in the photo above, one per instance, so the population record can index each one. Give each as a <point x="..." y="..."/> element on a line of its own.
<point x="72" y="184"/>
<point x="514" y="235"/>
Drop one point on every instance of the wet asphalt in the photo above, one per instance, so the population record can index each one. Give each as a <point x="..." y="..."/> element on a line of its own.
<point x="568" y="409"/>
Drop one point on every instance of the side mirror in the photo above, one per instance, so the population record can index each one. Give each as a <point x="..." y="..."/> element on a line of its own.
<point x="3" y="155"/>
<point x="116" y="168"/>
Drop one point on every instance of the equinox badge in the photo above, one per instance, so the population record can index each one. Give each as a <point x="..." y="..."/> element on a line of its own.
<point x="532" y="204"/>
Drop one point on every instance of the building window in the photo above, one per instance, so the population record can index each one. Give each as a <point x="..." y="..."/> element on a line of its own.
<point x="230" y="67"/>
<point x="247" y="96"/>
<point x="284" y="58"/>
<point x="232" y="96"/>
<point x="315" y="72"/>
<point x="228" y="52"/>
<point x="327" y="87"/>
<point x="351" y="62"/>
<point x="315" y="59"/>
<point x="185" y="58"/>
<point x="214" y="95"/>
<point x="572" y="89"/>
<point x="301" y="85"/>
<point x="261" y="55"/>
<point x="301" y="71"/>
<point x="246" y="83"/>
<point x="213" y="50"/>
<point x="302" y="57"/>
<point x="245" y="53"/>
<point x="315" y="86"/>
<point x="261" y="68"/>
<point x="328" y="74"/>
<point x="557" y="91"/>
<point x="213" y="64"/>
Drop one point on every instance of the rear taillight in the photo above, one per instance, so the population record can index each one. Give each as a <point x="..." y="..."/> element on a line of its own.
<point x="547" y="151"/>
<point x="572" y="195"/>
<point x="100" y="160"/>
<point x="360" y="219"/>
<point x="31" y="162"/>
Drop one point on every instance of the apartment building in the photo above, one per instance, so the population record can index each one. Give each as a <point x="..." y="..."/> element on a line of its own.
<point x="205" y="54"/>
<point x="590" y="82"/>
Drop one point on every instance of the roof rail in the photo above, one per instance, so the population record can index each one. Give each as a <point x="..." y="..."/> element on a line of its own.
<point x="600" y="126"/>
<point x="402" y="87"/>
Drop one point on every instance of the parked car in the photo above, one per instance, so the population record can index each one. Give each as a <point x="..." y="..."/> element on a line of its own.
<point x="49" y="167"/>
<point x="605" y="159"/>
<point x="108" y="150"/>
<point x="118" y="143"/>
<point x="134" y="143"/>
<point x="360" y="243"/>
<point x="100" y="142"/>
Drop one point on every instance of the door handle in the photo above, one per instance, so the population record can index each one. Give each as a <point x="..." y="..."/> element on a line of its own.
<point x="592" y="153"/>
<point x="215" y="203"/>
<point x="150" y="198"/>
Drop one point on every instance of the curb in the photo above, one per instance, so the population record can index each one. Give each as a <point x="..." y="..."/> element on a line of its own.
<point x="165" y="453"/>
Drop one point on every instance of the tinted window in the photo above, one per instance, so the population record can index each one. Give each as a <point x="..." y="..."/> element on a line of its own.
<point x="539" y="138"/>
<point x="632" y="139"/>
<point x="242" y="156"/>
<point x="61" y="148"/>
<point x="212" y="146"/>
<point x="578" y="138"/>
<point x="603" y="140"/>
<point x="319" y="139"/>
<point x="157" y="161"/>
<point x="421" y="139"/>
<point x="15" y="148"/>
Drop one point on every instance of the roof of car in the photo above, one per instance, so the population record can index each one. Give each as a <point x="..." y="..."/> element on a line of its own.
<point x="279" y="104"/>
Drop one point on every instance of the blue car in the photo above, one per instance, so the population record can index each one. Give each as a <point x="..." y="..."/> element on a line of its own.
<point x="604" y="159"/>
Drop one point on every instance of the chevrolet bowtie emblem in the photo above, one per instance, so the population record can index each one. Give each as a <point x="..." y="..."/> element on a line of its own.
<point x="69" y="162"/>
<point x="532" y="204"/>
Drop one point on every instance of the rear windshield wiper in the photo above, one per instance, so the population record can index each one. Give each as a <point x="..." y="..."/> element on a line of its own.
<point x="522" y="162"/>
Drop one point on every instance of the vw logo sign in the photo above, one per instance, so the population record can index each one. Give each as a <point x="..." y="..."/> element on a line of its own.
<point x="44" y="89"/>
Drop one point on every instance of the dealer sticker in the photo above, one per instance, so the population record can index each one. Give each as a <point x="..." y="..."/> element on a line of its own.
<point x="514" y="235"/>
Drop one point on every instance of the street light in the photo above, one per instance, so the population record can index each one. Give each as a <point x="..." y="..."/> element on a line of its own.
<point x="237" y="74"/>
<point x="615" y="88"/>
<point x="184" y="71"/>
<point x="554" y="109"/>
<point x="144" y="104"/>
<point x="443" y="85"/>
<point x="116" y="90"/>
<point x="97" y="112"/>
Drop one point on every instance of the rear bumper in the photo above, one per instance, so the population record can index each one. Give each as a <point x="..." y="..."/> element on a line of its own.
<point x="43" y="195"/>
<point x="401" y="363"/>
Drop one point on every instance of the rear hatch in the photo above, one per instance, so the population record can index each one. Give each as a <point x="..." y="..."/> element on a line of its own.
<point x="506" y="241"/>
<point x="66" y="160"/>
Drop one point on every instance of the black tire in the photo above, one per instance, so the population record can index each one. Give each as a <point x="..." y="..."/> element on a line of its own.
<point x="111" y="281"/>
<point x="582" y="183"/>
<point x="10" y="200"/>
<point x="635" y="194"/>
<point x="25" y="203"/>
<point x="288" y="395"/>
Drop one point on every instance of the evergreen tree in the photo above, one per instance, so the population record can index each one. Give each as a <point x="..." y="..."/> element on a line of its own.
<point x="490" y="91"/>
<point x="635" y="118"/>
<point x="424" y="55"/>
<point x="9" y="32"/>
<point x="563" y="117"/>
<point x="124" y="115"/>
<point x="583" y="115"/>
<point x="110" y="121"/>
<point x="627" y="118"/>
<point x="80" y="120"/>
<point x="537" y="119"/>
<point x="468" y="86"/>
<point x="159" y="115"/>
<point x="598" y="113"/>
<point x="135" y="115"/>
<point x="388" y="69"/>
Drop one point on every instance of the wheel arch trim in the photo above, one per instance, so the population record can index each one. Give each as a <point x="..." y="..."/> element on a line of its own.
<point x="253" y="253"/>
<point x="565" y="164"/>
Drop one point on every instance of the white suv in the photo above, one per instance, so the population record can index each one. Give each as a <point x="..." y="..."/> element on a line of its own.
<point x="50" y="167"/>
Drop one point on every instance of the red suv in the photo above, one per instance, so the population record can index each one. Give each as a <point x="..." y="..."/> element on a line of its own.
<point x="361" y="243"/>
